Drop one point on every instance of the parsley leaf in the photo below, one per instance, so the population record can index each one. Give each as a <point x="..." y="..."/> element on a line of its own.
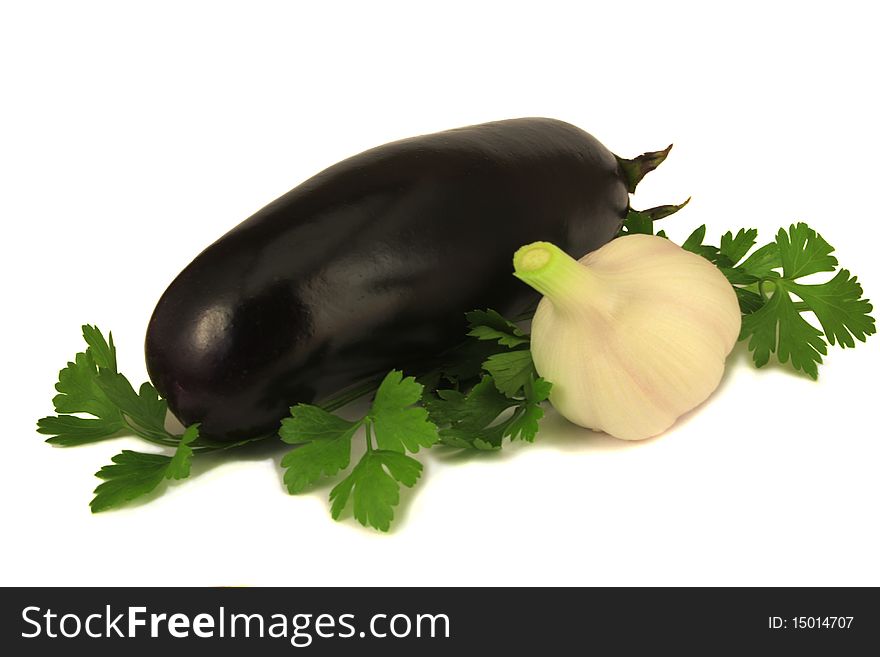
<point x="144" y="408"/>
<point x="462" y="366"/>
<point x="476" y="420"/>
<point x="637" y="223"/>
<point x="773" y="319"/>
<point x="472" y="416"/>
<point x="763" y="261"/>
<point x="327" y="448"/>
<point x="524" y="425"/>
<point x="797" y="338"/>
<point x="373" y="484"/>
<point x="399" y="425"/>
<point x="490" y="325"/>
<point x="134" y="474"/>
<point x="694" y="244"/>
<point x="91" y="385"/>
<point x="103" y="351"/>
<point x="504" y="403"/>
<point x="734" y="248"/>
<point x="778" y="327"/>
<point x="803" y="251"/>
<point x="374" y="487"/>
<point x="839" y="307"/>
<point x="510" y="371"/>
<point x="182" y="459"/>
<point x="79" y="392"/>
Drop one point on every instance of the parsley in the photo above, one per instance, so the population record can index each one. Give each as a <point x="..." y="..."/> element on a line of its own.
<point x="490" y="325"/>
<point x="505" y="403"/>
<point x="325" y="445"/>
<point x="773" y="301"/>
<point x="91" y="386"/>
<point x="474" y="420"/>
<point x="510" y="371"/>
<point x="778" y="325"/>
<point x="134" y="474"/>
<point x="373" y="484"/>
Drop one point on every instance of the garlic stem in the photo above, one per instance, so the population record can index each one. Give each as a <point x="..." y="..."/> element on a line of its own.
<point x="567" y="283"/>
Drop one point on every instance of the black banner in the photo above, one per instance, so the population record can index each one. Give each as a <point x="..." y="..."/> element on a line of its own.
<point x="428" y="621"/>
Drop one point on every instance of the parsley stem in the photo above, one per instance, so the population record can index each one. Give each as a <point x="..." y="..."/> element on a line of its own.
<point x="352" y="394"/>
<point x="369" y="437"/>
<point x="149" y="436"/>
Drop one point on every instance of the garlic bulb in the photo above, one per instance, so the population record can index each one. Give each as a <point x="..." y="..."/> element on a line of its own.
<point x="633" y="335"/>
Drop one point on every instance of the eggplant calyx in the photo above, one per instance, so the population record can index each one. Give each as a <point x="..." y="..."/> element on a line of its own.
<point x="637" y="168"/>
<point x="663" y="211"/>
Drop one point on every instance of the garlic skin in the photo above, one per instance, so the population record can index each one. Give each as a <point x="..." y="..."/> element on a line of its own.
<point x="633" y="335"/>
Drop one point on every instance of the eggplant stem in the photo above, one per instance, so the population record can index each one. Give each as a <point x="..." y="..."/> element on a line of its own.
<point x="663" y="211"/>
<point x="632" y="171"/>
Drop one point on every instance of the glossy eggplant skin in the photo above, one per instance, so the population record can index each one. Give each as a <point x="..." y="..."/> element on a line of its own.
<point x="371" y="265"/>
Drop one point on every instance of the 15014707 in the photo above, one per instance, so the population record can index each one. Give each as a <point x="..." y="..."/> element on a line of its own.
<point x="810" y="622"/>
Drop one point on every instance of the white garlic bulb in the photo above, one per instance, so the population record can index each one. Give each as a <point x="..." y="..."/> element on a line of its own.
<point x="633" y="335"/>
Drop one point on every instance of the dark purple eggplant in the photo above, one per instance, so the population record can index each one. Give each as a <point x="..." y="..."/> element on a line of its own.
<point x="371" y="265"/>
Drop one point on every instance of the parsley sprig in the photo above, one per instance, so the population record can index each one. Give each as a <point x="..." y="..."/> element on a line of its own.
<point x="504" y="403"/>
<point x="407" y="415"/>
<point x="373" y="485"/>
<point x="774" y="300"/>
<point x="96" y="402"/>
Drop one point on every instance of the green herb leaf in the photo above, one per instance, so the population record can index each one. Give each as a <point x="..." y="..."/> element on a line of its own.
<point x="79" y="392"/>
<point x="131" y="475"/>
<point x="803" y="252"/>
<point x="749" y="301"/>
<point x="470" y="415"/>
<point x="399" y="425"/>
<point x="524" y="423"/>
<point x="777" y="326"/>
<point x="510" y="370"/>
<point x="638" y="223"/>
<point x="839" y="307"/>
<point x="734" y="248"/>
<point x="327" y="448"/>
<point x="374" y="487"/>
<point x="182" y="460"/>
<point x="374" y="483"/>
<point x="475" y="420"/>
<point x="145" y="407"/>
<point x="762" y="262"/>
<point x="694" y="244"/>
<point x="104" y="352"/>
<point x="134" y="474"/>
<point x="71" y="430"/>
<point x="490" y="325"/>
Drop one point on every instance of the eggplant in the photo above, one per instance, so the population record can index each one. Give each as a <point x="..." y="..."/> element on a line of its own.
<point x="371" y="264"/>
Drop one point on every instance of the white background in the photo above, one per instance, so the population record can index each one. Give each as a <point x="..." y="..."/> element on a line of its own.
<point x="133" y="134"/>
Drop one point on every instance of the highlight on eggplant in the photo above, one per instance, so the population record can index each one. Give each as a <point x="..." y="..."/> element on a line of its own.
<point x="371" y="264"/>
